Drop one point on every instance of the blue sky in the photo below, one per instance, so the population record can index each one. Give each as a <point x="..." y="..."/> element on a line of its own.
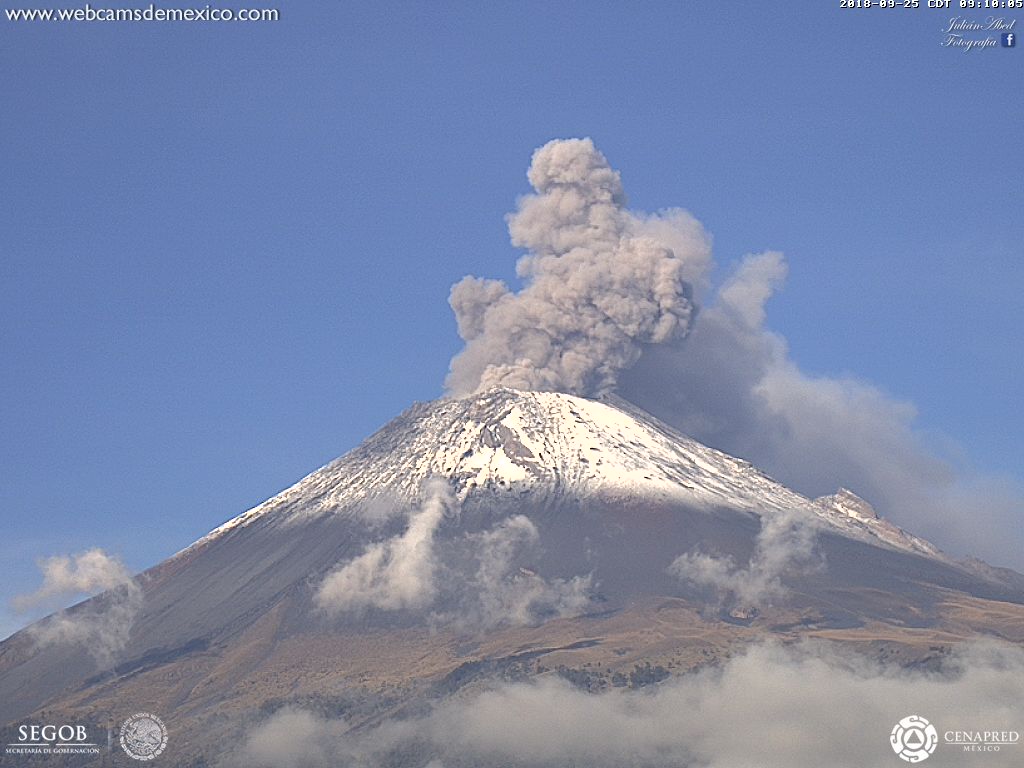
<point x="225" y="249"/>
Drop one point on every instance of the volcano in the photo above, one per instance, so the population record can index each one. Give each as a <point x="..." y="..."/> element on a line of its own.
<point x="563" y="541"/>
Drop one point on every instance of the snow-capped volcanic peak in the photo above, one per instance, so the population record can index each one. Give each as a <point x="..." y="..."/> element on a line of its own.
<point x="504" y="444"/>
<point x="509" y="442"/>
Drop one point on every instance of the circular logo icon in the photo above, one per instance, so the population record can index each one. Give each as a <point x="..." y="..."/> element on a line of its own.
<point x="914" y="739"/>
<point x="143" y="736"/>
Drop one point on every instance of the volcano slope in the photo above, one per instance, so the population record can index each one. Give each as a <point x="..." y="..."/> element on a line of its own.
<point x="507" y="535"/>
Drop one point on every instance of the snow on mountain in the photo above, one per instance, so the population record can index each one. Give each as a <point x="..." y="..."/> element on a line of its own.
<point x="502" y="444"/>
<point x="850" y="504"/>
<point x="564" y="533"/>
<point x="847" y="510"/>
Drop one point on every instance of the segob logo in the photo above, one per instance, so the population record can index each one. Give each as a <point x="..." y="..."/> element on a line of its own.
<point x="51" y="739"/>
<point x="143" y="736"/>
<point x="914" y="739"/>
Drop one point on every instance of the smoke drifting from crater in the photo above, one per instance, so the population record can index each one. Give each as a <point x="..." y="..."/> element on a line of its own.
<point x="608" y="303"/>
<point x="600" y="282"/>
<point x="733" y="385"/>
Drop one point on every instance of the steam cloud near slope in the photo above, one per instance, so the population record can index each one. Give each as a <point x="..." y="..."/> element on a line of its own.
<point x="784" y="544"/>
<point x="396" y="573"/>
<point x="102" y="627"/>
<point x="607" y="303"/>
<point x="417" y="571"/>
<point x="805" y="706"/>
<point x="85" y="573"/>
<point x="500" y="593"/>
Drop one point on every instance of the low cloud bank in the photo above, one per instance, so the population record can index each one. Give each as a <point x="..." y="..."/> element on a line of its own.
<point x="801" y="706"/>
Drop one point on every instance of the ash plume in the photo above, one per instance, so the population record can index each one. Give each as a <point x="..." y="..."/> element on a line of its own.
<point x="608" y="303"/>
<point x="732" y="384"/>
<point x="599" y="282"/>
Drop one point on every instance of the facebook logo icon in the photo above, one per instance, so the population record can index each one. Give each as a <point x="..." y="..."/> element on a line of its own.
<point x="1009" y="39"/>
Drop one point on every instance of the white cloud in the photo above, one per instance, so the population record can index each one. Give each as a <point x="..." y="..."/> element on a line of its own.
<point x="85" y="573"/>
<point x="293" y="737"/>
<point x="785" y="544"/>
<point x="104" y="624"/>
<point x="397" y="573"/>
<point x="103" y="627"/>
<point x="801" y="707"/>
<point x="474" y="582"/>
<point x="502" y="593"/>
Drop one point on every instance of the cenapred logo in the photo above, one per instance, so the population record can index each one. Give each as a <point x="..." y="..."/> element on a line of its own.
<point x="143" y="736"/>
<point x="914" y="739"/>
